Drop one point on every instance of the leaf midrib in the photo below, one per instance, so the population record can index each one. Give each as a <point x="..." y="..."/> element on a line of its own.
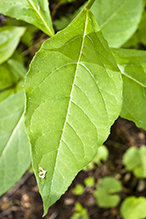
<point x="41" y="17"/>
<point x="11" y="136"/>
<point x="112" y="15"/>
<point x="78" y="62"/>
<point x="133" y="79"/>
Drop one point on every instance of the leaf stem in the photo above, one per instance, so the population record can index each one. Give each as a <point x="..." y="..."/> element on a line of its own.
<point x="89" y="4"/>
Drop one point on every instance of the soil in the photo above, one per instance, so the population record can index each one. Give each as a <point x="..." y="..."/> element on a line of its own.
<point x="24" y="201"/>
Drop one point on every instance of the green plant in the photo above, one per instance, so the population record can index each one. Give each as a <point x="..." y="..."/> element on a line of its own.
<point x="135" y="160"/>
<point x="133" y="208"/>
<point x="73" y="91"/>
<point x="106" y="192"/>
<point x="81" y="213"/>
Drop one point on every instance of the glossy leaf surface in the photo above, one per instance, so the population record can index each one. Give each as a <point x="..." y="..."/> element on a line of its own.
<point x="118" y="20"/>
<point x="9" y="39"/>
<point x="73" y="92"/>
<point x="132" y="64"/>
<point x="35" y="12"/>
<point x="14" y="144"/>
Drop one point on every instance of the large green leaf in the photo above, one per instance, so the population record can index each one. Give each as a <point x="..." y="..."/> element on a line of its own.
<point x="132" y="64"/>
<point x="9" y="39"/>
<point x="118" y="19"/>
<point x="14" y="144"/>
<point x="35" y="12"/>
<point x="73" y="92"/>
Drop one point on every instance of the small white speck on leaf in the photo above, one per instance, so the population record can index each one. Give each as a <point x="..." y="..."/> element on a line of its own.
<point x="42" y="173"/>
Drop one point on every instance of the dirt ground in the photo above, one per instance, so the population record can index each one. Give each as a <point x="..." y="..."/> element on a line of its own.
<point x="24" y="201"/>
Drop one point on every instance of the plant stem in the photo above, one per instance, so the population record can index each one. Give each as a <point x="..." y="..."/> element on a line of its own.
<point x="89" y="4"/>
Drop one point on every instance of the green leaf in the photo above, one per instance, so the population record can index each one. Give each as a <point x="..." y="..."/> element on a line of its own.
<point x="135" y="160"/>
<point x="17" y="68"/>
<point x="132" y="64"/>
<point x="62" y="22"/>
<point x="14" y="144"/>
<point x="9" y="39"/>
<point x="73" y="92"/>
<point x="89" y="181"/>
<point x="78" y="189"/>
<point x="142" y="29"/>
<point x="35" y="12"/>
<point x="134" y="208"/>
<point x="105" y="192"/>
<point x="102" y="155"/>
<point x="118" y="20"/>
<point x="81" y="213"/>
<point x="9" y="82"/>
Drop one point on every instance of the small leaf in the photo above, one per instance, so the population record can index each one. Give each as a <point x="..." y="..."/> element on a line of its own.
<point x="134" y="160"/>
<point x="105" y="192"/>
<point x="132" y="64"/>
<point x="73" y="92"/>
<point x="133" y="208"/>
<point x="35" y="12"/>
<point x="81" y="213"/>
<point x="9" y="39"/>
<point x="14" y="144"/>
<point x="78" y="189"/>
<point x="102" y="155"/>
<point x="89" y="181"/>
<point x="118" y="20"/>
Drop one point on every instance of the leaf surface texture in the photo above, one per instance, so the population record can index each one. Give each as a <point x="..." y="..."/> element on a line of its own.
<point x="132" y="64"/>
<point x="35" y="12"/>
<point x="73" y="92"/>
<point x="118" y="20"/>
<point x="14" y="144"/>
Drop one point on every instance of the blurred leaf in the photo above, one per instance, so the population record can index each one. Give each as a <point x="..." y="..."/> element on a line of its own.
<point x="135" y="160"/>
<point x="142" y="30"/>
<point x="132" y="64"/>
<point x="78" y="189"/>
<point x="118" y="20"/>
<point x="89" y="181"/>
<point x="14" y="144"/>
<point x="17" y="68"/>
<point x="105" y="192"/>
<point x="133" y="208"/>
<point x="35" y="12"/>
<point x="9" y="82"/>
<point x="63" y="22"/>
<point x="74" y="94"/>
<point x="9" y="39"/>
<point x="102" y="155"/>
<point x="81" y="213"/>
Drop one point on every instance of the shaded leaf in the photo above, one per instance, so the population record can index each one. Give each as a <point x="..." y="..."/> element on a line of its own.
<point x="132" y="64"/>
<point x="35" y="12"/>
<point x="14" y="144"/>
<point x="9" y="39"/>
<point x="9" y="82"/>
<point x="73" y="92"/>
<point x="118" y="20"/>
